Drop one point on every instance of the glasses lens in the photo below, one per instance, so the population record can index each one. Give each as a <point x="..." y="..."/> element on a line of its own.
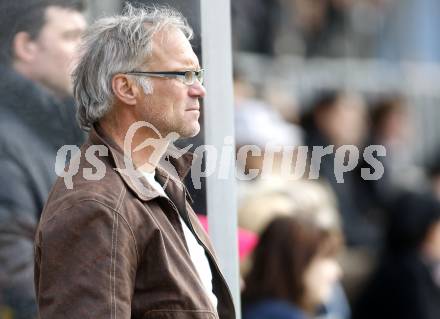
<point x="199" y="75"/>
<point x="189" y="78"/>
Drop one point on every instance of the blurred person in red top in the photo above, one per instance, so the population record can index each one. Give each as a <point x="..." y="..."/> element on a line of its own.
<point x="38" y="43"/>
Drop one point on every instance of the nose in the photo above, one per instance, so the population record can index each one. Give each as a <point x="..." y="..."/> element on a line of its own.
<point x="197" y="90"/>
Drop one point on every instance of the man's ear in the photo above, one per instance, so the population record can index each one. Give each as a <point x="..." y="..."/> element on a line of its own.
<point x="125" y="89"/>
<point x="24" y="48"/>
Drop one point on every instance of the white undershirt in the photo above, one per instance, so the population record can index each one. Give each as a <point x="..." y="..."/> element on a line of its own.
<point x="196" y="251"/>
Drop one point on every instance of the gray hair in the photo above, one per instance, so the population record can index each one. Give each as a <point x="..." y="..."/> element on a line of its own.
<point x="113" y="45"/>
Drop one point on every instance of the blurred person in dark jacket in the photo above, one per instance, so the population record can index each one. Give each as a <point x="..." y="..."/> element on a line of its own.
<point x="38" y="40"/>
<point x="299" y="27"/>
<point x="294" y="270"/>
<point x="432" y="171"/>
<point x="339" y="118"/>
<point x="406" y="283"/>
<point x="255" y="23"/>
<point x="393" y="127"/>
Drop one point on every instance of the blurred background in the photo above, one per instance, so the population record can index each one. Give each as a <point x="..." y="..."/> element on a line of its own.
<point x="335" y="72"/>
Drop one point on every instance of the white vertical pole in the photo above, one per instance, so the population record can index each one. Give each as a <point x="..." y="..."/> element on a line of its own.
<point x="219" y="124"/>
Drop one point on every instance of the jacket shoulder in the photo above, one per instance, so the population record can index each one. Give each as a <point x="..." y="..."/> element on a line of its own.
<point x="86" y="178"/>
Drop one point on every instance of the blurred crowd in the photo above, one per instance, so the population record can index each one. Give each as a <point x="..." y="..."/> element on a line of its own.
<point x="372" y="244"/>
<point x="383" y="226"/>
<point x="389" y="29"/>
<point x="331" y="28"/>
<point x="319" y="248"/>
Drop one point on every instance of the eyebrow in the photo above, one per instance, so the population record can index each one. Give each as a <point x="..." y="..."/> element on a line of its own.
<point x="73" y="32"/>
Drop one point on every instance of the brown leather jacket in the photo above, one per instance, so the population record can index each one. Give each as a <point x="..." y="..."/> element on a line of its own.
<point x="109" y="249"/>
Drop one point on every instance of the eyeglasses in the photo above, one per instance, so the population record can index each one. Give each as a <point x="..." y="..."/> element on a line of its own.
<point x="187" y="77"/>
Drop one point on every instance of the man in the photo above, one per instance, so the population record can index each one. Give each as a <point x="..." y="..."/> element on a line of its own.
<point x="38" y="40"/>
<point x="124" y="242"/>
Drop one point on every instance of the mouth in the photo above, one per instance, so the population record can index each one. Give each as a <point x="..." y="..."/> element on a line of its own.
<point x="193" y="108"/>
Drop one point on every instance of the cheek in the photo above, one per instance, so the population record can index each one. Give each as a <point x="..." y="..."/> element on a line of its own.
<point x="437" y="238"/>
<point x="179" y="100"/>
<point x="435" y="241"/>
<point x="57" y="60"/>
<point x="63" y="51"/>
<point x="320" y="279"/>
<point x="66" y="53"/>
<point x="72" y="53"/>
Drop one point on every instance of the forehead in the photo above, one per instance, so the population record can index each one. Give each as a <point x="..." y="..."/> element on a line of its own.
<point x="60" y="19"/>
<point x="171" y="49"/>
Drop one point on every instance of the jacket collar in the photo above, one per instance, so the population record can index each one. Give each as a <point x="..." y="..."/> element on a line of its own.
<point x="174" y="174"/>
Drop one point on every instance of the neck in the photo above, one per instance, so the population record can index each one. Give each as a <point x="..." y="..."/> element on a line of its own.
<point x="146" y="147"/>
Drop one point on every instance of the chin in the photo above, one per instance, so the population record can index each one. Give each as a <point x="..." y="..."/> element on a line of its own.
<point x="190" y="131"/>
<point x="194" y="133"/>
